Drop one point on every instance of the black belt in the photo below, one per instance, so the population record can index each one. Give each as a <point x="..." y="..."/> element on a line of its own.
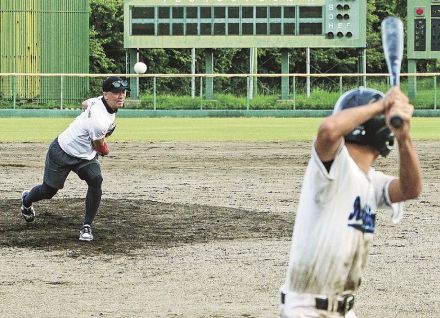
<point x="344" y="305"/>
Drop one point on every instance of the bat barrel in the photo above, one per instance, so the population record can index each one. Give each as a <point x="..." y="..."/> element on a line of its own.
<point x="392" y="41"/>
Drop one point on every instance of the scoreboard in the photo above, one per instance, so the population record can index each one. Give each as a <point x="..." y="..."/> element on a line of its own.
<point x="423" y="29"/>
<point x="423" y="36"/>
<point x="244" y="23"/>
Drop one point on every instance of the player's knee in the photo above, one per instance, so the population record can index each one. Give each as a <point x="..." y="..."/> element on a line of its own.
<point x="92" y="175"/>
<point x="95" y="181"/>
<point x="47" y="191"/>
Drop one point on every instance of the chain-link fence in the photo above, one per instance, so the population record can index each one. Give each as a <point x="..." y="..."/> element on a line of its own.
<point x="208" y="91"/>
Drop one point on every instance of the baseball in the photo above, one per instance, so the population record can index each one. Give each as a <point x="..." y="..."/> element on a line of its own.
<point x="140" y="67"/>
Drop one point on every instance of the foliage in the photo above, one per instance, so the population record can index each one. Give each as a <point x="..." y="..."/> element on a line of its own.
<point x="107" y="54"/>
<point x="323" y="96"/>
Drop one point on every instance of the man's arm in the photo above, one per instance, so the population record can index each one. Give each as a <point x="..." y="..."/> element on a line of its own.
<point x="409" y="184"/>
<point x="84" y="105"/>
<point x="335" y="127"/>
<point x="101" y="146"/>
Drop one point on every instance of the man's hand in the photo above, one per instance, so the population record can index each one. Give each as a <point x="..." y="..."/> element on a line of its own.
<point x="84" y="105"/>
<point x="397" y="103"/>
<point x="101" y="147"/>
<point x="104" y="150"/>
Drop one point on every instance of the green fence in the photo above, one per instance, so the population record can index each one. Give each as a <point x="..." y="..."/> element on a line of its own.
<point x="230" y="91"/>
<point x="43" y="37"/>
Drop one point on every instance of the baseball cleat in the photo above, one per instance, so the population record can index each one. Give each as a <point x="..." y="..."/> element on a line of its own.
<point x="28" y="213"/>
<point x="85" y="234"/>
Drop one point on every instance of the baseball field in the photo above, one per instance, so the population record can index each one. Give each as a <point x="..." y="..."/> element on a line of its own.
<point x="196" y="221"/>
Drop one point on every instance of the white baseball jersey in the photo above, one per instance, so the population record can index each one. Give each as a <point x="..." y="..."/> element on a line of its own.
<point x="92" y="124"/>
<point x="334" y="225"/>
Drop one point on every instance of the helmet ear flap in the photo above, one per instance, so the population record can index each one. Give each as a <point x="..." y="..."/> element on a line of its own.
<point x="358" y="136"/>
<point x="380" y="136"/>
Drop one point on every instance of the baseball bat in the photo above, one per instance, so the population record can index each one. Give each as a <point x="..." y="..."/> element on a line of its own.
<point x="392" y="42"/>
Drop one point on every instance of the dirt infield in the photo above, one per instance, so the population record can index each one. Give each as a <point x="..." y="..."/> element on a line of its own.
<point x="195" y="230"/>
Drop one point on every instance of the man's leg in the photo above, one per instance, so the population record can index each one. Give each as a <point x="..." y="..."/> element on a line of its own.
<point x="39" y="192"/>
<point x="56" y="170"/>
<point x="91" y="173"/>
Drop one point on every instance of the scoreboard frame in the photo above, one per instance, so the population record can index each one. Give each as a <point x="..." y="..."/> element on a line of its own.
<point x="423" y="36"/>
<point x="334" y="23"/>
<point x="423" y="29"/>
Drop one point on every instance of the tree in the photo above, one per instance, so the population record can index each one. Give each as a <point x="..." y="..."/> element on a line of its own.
<point x="107" y="54"/>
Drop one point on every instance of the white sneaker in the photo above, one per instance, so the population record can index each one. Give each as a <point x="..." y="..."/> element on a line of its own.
<point x="28" y="213"/>
<point x="85" y="234"/>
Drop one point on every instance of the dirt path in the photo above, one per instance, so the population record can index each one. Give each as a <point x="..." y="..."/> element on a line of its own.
<point x="194" y="230"/>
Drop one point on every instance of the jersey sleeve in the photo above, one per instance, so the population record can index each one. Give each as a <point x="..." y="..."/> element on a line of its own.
<point x="88" y="102"/>
<point x="381" y="186"/>
<point x="332" y="173"/>
<point x="97" y="131"/>
<point x="323" y="180"/>
<point x="98" y="123"/>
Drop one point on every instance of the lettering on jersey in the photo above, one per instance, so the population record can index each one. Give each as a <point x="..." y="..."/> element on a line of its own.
<point x="362" y="219"/>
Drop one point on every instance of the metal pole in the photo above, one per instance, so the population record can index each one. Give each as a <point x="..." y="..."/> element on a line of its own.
<point x="154" y="94"/>
<point x="340" y="85"/>
<point x="201" y="93"/>
<point x="137" y="77"/>
<point x="209" y="84"/>
<point x="249" y="80"/>
<point x="364" y="66"/>
<point x="251" y="70"/>
<point x="435" y="92"/>
<point x="412" y="80"/>
<point x="62" y="92"/>
<point x="127" y="66"/>
<point x="14" y="91"/>
<point x="308" y="70"/>
<point x="285" y="70"/>
<point x="134" y="94"/>
<point x="193" y="71"/>
<point x="294" y="93"/>
<point x="255" y="71"/>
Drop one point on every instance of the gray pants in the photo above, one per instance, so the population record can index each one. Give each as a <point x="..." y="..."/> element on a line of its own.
<point x="59" y="164"/>
<point x="57" y="167"/>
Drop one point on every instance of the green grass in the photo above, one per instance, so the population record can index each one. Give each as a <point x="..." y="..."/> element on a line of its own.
<point x="192" y="129"/>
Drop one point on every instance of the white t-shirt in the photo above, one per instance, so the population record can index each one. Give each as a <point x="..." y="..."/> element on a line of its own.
<point x="92" y="124"/>
<point x="334" y="225"/>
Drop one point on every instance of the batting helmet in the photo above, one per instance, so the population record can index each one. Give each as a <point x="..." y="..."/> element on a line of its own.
<point x="374" y="132"/>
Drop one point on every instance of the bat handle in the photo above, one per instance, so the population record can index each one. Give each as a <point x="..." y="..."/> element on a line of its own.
<point x="395" y="79"/>
<point x="396" y="121"/>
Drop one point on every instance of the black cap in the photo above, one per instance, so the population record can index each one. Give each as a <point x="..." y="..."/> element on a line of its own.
<point x="114" y="84"/>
